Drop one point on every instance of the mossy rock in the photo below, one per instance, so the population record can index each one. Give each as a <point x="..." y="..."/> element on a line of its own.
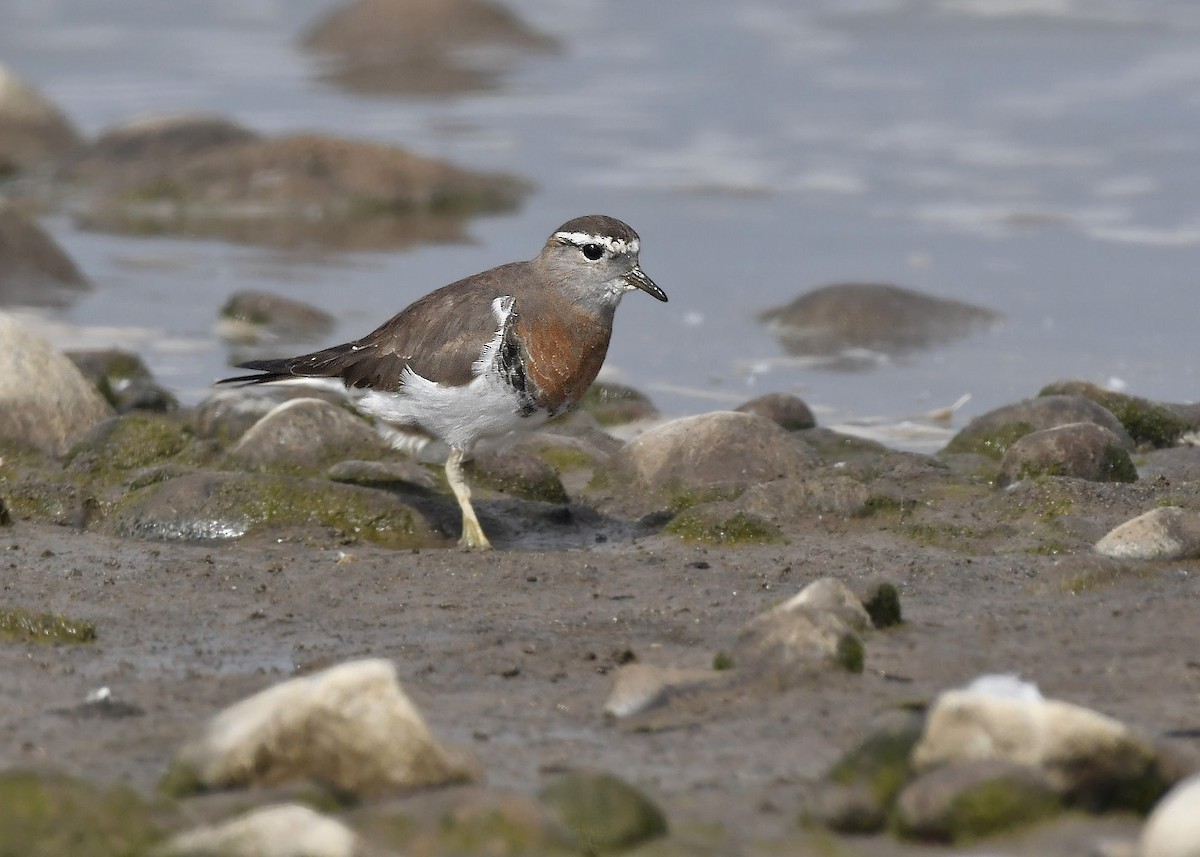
<point x="992" y="434"/>
<point x="53" y="815"/>
<point x="993" y="443"/>
<point x="126" y="443"/>
<point x="518" y="473"/>
<point x="206" y="506"/>
<point x="16" y="623"/>
<point x="721" y="523"/>
<point x="880" y="762"/>
<point x="1148" y="423"/>
<point x="605" y="812"/>
<point x="883" y="606"/>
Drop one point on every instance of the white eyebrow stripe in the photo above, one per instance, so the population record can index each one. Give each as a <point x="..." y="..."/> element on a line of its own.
<point x="613" y="245"/>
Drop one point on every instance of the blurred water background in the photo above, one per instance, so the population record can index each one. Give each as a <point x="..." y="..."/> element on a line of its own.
<point x="1037" y="157"/>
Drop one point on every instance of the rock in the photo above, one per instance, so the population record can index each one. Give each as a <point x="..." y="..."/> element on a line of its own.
<point x="706" y="457"/>
<point x="54" y="815"/>
<point x="251" y="317"/>
<point x="786" y="411"/>
<point x="125" y="443"/>
<point x="34" y="270"/>
<point x="830" y="595"/>
<point x="402" y="475"/>
<point x="32" y="130"/>
<point x="1093" y="761"/>
<point x="1177" y="464"/>
<point x="349" y="727"/>
<point x="286" y="830"/>
<point x="1173" y="828"/>
<point x="960" y="803"/>
<point x="824" y="494"/>
<point x="45" y="403"/>
<point x="214" y="505"/>
<point x="416" y="47"/>
<point x="123" y="379"/>
<point x="604" y="812"/>
<point x="616" y="404"/>
<point x="1166" y="533"/>
<point x="994" y="432"/>
<point x="207" y="178"/>
<point x="306" y="434"/>
<point x="1148" y="423"/>
<point x="230" y="412"/>
<point x="518" y="473"/>
<point x="881" y="600"/>
<point x="841" y="318"/>
<point x="638" y="688"/>
<point x="859" y="790"/>
<point x="724" y="523"/>
<point x="796" y="638"/>
<point x="1079" y="450"/>
<point x="5" y="515"/>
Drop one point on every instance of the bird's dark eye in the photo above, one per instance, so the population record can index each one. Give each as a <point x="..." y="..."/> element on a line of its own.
<point x="592" y="251"/>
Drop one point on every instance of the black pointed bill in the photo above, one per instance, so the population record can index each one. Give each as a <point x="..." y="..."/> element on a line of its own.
<point x="637" y="279"/>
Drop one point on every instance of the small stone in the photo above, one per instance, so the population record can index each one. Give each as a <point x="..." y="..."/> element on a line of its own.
<point x="1079" y="450"/>
<point x="350" y="727"/>
<point x="793" y="640"/>
<point x="994" y="432"/>
<point x="831" y="595"/>
<point x="403" y="474"/>
<point x="45" y="403"/>
<point x="638" y="688"/>
<point x="1173" y="828"/>
<point x="616" y="404"/>
<point x="287" y="830"/>
<point x="1165" y="533"/>
<point x="967" y="801"/>
<point x="881" y="600"/>
<point x="306" y="433"/>
<point x="787" y="411"/>
<point x="605" y="812"/>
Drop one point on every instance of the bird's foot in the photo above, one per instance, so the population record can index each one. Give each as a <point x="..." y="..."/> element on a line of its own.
<point x="473" y="538"/>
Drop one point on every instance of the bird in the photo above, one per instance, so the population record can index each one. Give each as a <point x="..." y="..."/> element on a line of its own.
<point x="498" y="352"/>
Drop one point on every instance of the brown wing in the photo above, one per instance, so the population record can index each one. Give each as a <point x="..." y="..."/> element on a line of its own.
<point x="439" y="337"/>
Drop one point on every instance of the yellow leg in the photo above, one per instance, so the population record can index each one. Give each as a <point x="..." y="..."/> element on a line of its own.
<point x="473" y="538"/>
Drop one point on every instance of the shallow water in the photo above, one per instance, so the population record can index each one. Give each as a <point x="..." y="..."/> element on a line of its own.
<point x="1038" y="157"/>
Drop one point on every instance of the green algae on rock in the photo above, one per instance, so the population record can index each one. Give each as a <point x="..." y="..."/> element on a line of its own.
<point x="20" y="624"/>
<point x="605" y="812"/>
<point x="721" y="524"/>
<point x="1147" y="422"/>
<point x="54" y="815"/>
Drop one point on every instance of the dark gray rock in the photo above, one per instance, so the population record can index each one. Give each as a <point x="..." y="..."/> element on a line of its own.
<point x="123" y="379"/>
<point x="416" y="47"/>
<point x="251" y="317"/>
<point x="836" y="319"/>
<point x="34" y="270"/>
<point x="403" y="474"/>
<point x="1175" y="465"/>
<point x="786" y="411"/>
<point x="518" y="473"/>
<point x="991" y="434"/>
<point x="616" y="404"/>
<point x="306" y="434"/>
<point x="1079" y="450"/>
<point x="1148" y="423"/>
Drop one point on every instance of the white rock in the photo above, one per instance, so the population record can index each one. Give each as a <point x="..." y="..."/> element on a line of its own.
<point x="1173" y="828"/>
<point x="1078" y="749"/>
<point x="286" y="830"/>
<point x="1167" y="532"/>
<point x="44" y="400"/>
<point x="350" y="726"/>
<point x="1005" y="685"/>
<point x="830" y="594"/>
